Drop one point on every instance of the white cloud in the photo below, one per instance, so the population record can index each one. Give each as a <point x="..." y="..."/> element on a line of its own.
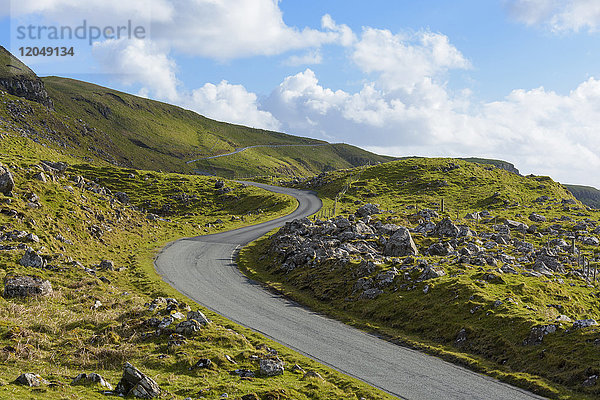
<point x="558" y="15"/>
<point x="405" y="61"/>
<point x="140" y="62"/>
<point x="308" y="58"/>
<point x="231" y="103"/>
<point x="216" y="29"/>
<point x="540" y="131"/>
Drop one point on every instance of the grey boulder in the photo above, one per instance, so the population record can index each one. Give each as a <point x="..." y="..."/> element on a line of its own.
<point x="135" y="383"/>
<point x="400" y="244"/>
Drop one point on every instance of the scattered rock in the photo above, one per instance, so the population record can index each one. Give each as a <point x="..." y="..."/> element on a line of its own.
<point x="584" y="323"/>
<point x="537" y="217"/>
<point x="371" y="293"/>
<point x="461" y="337"/>
<point x="23" y="286"/>
<point x="91" y="379"/>
<point x="271" y="367"/>
<point x="135" y="383"/>
<point x="40" y="176"/>
<point x="122" y="197"/>
<point x="203" y="363"/>
<point x="590" y="381"/>
<point x="313" y="375"/>
<point x="188" y="327"/>
<point x="537" y="333"/>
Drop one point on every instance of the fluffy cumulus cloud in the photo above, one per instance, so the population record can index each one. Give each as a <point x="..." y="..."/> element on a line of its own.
<point x="216" y="29"/>
<point x="231" y="103"/>
<point x="140" y="62"/>
<point x="412" y="113"/>
<point x="558" y="15"/>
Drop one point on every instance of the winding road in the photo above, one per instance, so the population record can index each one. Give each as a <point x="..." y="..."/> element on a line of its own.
<point x="257" y="146"/>
<point x="203" y="269"/>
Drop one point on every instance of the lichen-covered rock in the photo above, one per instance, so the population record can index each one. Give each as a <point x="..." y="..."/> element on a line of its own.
<point x="31" y="380"/>
<point x="32" y="259"/>
<point x="135" y="383"/>
<point x="23" y="286"/>
<point x="446" y="228"/>
<point x="271" y="367"/>
<point x="400" y="244"/>
<point x="198" y="316"/>
<point x="584" y="323"/>
<point x="537" y="333"/>
<point x="188" y="327"/>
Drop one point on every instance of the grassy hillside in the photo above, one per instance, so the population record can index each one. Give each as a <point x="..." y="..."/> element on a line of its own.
<point x="478" y="298"/>
<point x="97" y="319"/>
<point x="98" y="124"/>
<point x="12" y="66"/>
<point x="588" y="195"/>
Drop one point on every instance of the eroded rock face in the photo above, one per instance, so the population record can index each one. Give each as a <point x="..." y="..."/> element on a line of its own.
<point x="23" y="286"/>
<point x="135" y="383"/>
<point x="30" y="89"/>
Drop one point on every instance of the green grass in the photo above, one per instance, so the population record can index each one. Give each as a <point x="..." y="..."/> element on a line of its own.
<point x="431" y="321"/>
<point x="60" y="336"/>
<point x="11" y="66"/>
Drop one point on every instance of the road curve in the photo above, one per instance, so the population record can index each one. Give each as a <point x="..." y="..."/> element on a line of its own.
<point x="257" y="146"/>
<point x="203" y="269"/>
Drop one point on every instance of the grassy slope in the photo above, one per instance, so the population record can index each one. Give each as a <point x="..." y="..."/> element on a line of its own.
<point x="136" y="132"/>
<point x="431" y="321"/>
<point x="60" y="336"/>
<point x="12" y="66"/>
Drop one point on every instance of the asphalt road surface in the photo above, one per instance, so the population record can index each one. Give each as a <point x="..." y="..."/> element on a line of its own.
<point x="203" y="269"/>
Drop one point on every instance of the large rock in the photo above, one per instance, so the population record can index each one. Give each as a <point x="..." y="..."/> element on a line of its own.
<point x="188" y="327"/>
<point x="32" y="259"/>
<point x="29" y="379"/>
<point x="400" y="244"/>
<point x="271" y="367"/>
<point x="135" y="383"/>
<point x="122" y="197"/>
<point x="446" y="228"/>
<point x="23" y="286"/>
<point x="7" y="182"/>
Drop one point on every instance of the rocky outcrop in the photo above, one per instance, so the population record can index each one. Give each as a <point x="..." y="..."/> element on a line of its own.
<point x="29" y="88"/>
<point x="91" y="379"/>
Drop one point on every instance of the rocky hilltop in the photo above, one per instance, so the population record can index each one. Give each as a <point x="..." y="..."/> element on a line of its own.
<point x="19" y="80"/>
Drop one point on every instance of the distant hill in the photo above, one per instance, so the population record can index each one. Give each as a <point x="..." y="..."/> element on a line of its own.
<point x="103" y="125"/>
<point x="590" y="196"/>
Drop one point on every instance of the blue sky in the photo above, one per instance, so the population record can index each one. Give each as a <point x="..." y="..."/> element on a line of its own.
<point x="512" y="79"/>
